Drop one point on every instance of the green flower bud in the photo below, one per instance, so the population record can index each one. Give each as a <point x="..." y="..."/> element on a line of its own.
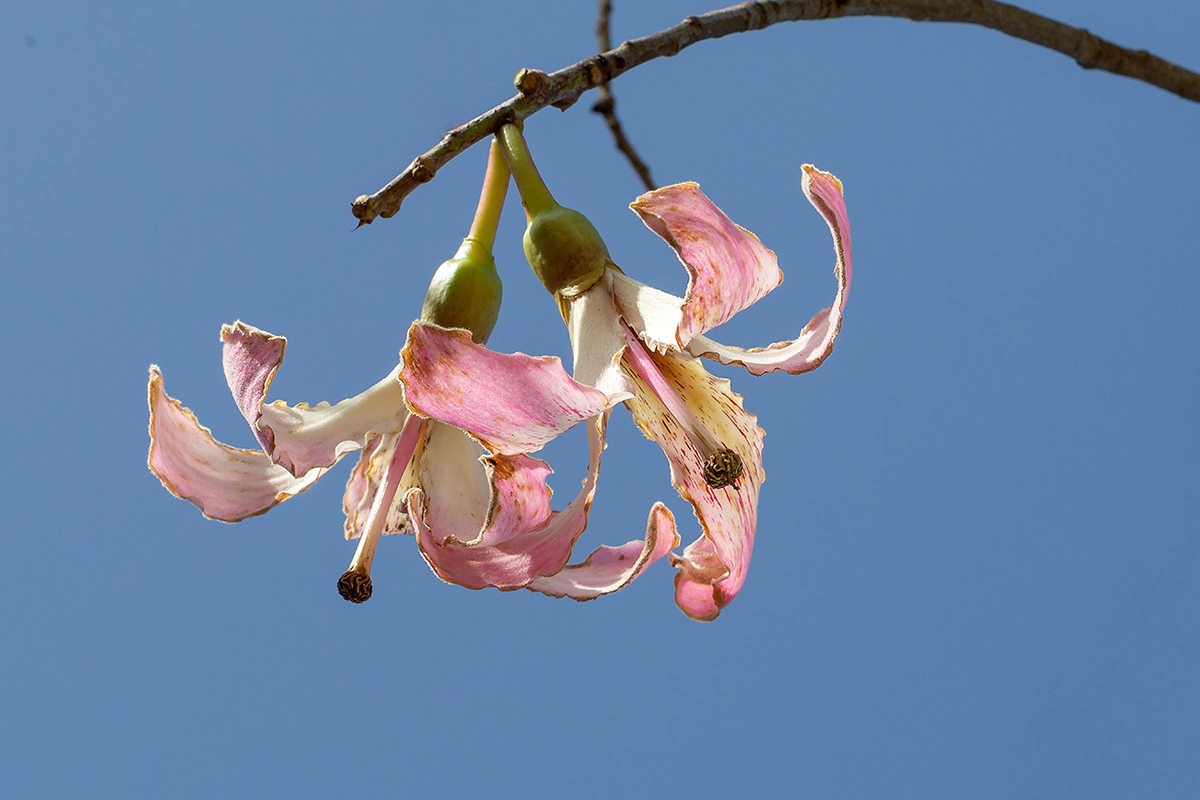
<point x="465" y="292"/>
<point x="565" y="251"/>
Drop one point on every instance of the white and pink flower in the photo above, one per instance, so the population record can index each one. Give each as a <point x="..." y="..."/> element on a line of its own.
<point x="638" y="345"/>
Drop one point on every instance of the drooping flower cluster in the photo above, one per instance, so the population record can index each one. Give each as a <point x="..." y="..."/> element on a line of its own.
<point x="446" y="438"/>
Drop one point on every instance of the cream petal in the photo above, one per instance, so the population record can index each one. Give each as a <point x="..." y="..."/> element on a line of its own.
<point x="713" y="568"/>
<point x="520" y="539"/>
<point x="302" y="437"/>
<point x="365" y="482"/>
<point x="452" y="473"/>
<point x="816" y="340"/>
<point x="598" y="339"/>
<point x="654" y="314"/>
<point x="728" y="268"/>
<point x="226" y="483"/>
<point x="609" y="569"/>
<point x="512" y="403"/>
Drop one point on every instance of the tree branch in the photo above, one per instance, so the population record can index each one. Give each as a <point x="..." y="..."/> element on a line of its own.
<point x="606" y="104"/>
<point x="561" y="89"/>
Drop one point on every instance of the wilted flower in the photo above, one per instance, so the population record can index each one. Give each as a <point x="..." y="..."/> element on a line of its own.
<point x="637" y="344"/>
<point x="480" y="521"/>
<point x="299" y="443"/>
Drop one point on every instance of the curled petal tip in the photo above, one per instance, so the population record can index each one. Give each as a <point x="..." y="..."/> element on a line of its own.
<point x="610" y="569"/>
<point x="226" y="483"/>
<point x="815" y="342"/>
<point x="648" y="199"/>
<point x="302" y="437"/>
<point x="696" y="599"/>
<point x="728" y="268"/>
<point x="812" y="173"/>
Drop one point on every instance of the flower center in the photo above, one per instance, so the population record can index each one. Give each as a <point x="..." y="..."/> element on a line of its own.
<point x="722" y="466"/>
<point x="355" y="583"/>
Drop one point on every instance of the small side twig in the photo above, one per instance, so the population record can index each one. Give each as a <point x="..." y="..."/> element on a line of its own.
<point x="561" y="89"/>
<point x="606" y="104"/>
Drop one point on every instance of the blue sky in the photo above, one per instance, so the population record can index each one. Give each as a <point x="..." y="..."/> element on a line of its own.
<point x="977" y="571"/>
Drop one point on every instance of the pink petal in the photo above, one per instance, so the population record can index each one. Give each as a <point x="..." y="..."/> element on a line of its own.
<point x="815" y="342"/>
<point x="699" y="570"/>
<point x="512" y="403"/>
<point x="521" y="538"/>
<point x="227" y="483"/>
<point x="728" y="267"/>
<point x="303" y="437"/>
<point x="365" y="481"/>
<point x="609" y="569"/>
<point x="713" y="568"/>
<point x="251" y="358"/>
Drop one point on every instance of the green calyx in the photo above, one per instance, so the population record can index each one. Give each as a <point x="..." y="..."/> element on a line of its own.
<point x="465" y="292"/>
<point x="563" y="247"/>
<point x="565" y="251"/>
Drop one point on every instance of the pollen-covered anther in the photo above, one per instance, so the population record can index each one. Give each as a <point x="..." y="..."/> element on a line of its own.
<point x="355" y="586"/>
<point x="723" y="468"/>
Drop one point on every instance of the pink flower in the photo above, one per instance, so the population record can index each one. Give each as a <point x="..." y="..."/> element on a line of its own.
<point x="299" y="443"/>
<point x="512" y="405"/>
<point x="638" y="345"/>
<point x="479" y="520"/>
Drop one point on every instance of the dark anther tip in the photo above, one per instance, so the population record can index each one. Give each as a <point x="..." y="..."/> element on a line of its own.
<point x="723" y="469"/>
<point x="355" y="586"/>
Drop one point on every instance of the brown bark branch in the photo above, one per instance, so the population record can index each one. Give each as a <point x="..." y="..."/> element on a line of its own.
<point x="561" y="89"/>
<point x="606" y="104"/>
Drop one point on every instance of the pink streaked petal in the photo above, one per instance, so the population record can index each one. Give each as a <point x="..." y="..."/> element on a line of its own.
<point x="361" y="487"/>
<point x="609" y="569"/>
<point x="713" y="568"/>
<point x="226" y="483"/>
<point x="521" y="538"/>
<point x="303" y="437"/>
<point x="729" y="269"/>
<point x="365" y="481"/>
<point x="815" y="342"/>
<point x="512" y="403"/>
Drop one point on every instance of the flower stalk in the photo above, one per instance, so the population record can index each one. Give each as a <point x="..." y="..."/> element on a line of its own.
<point x="535" y="195"/>
<point x="491" y="200"/>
